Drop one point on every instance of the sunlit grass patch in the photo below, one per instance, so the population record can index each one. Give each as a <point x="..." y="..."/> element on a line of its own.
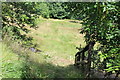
<point x="58" y="37"/>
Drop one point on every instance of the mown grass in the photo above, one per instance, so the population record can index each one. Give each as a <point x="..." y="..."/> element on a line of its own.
<point x="58" y="37"/>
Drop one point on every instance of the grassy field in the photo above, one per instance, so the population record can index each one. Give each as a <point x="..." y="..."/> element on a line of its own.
<point x="57" y="39"/>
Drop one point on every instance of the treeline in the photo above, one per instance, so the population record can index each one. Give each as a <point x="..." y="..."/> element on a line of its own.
<point x="59" y="10"/>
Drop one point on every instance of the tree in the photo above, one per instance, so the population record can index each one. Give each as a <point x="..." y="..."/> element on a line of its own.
<point x="101" y="23"/>
<point x="15" y="17"/>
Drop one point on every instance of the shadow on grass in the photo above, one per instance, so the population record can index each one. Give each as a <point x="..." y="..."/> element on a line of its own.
<point x="75" y="21"/>
<point x="33" y="69"/>
<point x="23" y="64"/>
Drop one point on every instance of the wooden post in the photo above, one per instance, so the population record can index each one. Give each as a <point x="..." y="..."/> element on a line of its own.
<point x="89" y="59"/>
<point x="77" y="59"/>
<point x="83" y="65"/>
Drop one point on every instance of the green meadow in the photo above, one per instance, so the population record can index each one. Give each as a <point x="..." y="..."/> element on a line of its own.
<point x="57" y="39"/>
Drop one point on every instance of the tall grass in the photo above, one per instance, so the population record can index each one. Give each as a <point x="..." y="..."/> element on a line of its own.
<point x="11" y="66"/>
<point x="16" y="66"/>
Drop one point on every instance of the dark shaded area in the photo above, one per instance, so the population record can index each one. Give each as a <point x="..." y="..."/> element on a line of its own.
<point x="32" y="70"/>
<point x="73" y="21"/>
<point x="47" y="70"/>
<point x="36" y="70"/>
<point x="87" y="63"/>
<point x="80" y="56"/>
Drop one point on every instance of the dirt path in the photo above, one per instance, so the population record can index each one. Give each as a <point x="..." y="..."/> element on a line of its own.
<point x="61" y="61"/>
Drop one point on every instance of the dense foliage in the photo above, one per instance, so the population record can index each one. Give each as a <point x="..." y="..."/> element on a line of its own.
<point x="15" y="19"/>
<point x="102" y="24"/>
<point x="58" y="10"/>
